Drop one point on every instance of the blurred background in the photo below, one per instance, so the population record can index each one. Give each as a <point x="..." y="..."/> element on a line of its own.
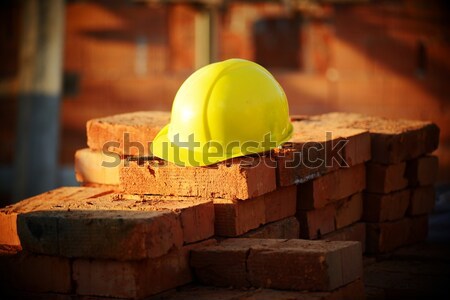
<point x="65" y="62"/>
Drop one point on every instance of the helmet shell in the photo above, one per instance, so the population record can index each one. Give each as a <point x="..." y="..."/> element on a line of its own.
<point x="224" y="110"/>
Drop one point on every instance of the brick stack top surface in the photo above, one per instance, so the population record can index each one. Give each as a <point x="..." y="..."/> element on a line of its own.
<point x="141" y="127"/>
<point x="393" y="140"/>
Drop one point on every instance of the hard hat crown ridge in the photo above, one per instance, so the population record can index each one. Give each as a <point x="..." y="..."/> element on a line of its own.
<point x="224" y="110"/>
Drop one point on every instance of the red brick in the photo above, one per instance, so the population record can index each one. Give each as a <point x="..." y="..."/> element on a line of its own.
<point x="105" y="234"/>
<point x="8" y="228"/>
<point x="291" y="168"/>
<point x="384" y="179"/>
<point x="235" y="217"/>
<point x="45" y="201"/>
<point x="418" y="229"/>
<point x="134" y="279"/>
<point x="348" y="211"/>
<point x="355" y="232"/>
<point x="26" y="271"/>
<point x="239" y="178"/>
<point x="112" y="226"/>
<point x="316" y="222"/>
<point x="422" y="171"/>
<point x="281" y="264"/>
<point x="392" y="141"/>
<point x="281" y="203"/>
<point x="56" y="198"/>
<point x="225" y="264"/>
<point x="288" y="228"/>
<point x="141" y="128"/>
<point x="386" y="207"/>
<point x="89" y="167"/>
<point x="197" y="222"/>
<point x="423" y="200"/>
<point x="305" y="265"/>
<point x="387" y="236"/>
<point x="331" y="187"/>
<point x="357" y="150"/>
<point x="316" y="149"/>
<point x="196" y="214"/>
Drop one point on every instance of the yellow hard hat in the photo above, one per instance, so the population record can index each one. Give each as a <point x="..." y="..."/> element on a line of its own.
<point x="223" y="110"/>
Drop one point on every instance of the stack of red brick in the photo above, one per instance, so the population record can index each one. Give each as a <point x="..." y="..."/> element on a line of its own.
<point x="244" y="189"/>
<point x="400" y="178"/>
<point x="362" y="178"/>
<point x="87" y="241"/>
<point x="141" y="226"/>
<point x="328" y="165"/>
<point x="91" y="241"/>
<point x="129" y="232"/>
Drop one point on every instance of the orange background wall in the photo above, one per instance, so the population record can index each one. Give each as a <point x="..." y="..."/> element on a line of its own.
<point x="387" y="58"/>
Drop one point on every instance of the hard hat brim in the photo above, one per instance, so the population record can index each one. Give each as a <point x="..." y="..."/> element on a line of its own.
<point x="162" y="147"/>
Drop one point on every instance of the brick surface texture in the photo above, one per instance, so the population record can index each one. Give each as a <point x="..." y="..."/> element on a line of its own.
<point x="317" y="148"/>
<point x="423" y="200"/>
<point x="100" y="234"/>
<point x="387" y="236"/>
<point x="281" y="264"/>
<point x="422" y="171"/>
<point x="288" y="228"/>
<point x="354" y="232"/>
<point x="235" y="217"/>
<point x="239" y="178"/>
<point x="89" y="168"/>
<point x="92" y="222"/>
<point x="26" y="271"/>
<point x="134" y="279"/>
<point x="331" y="187"/>
<point x="392" y="141"/>
<point x="317" y="222"/>
<point x="349" y="211"/>
<point x="386" y="207"/>
<point x="141" y="128"/>
<point x="45" y="201"/>
<point x="384" y="179"/>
